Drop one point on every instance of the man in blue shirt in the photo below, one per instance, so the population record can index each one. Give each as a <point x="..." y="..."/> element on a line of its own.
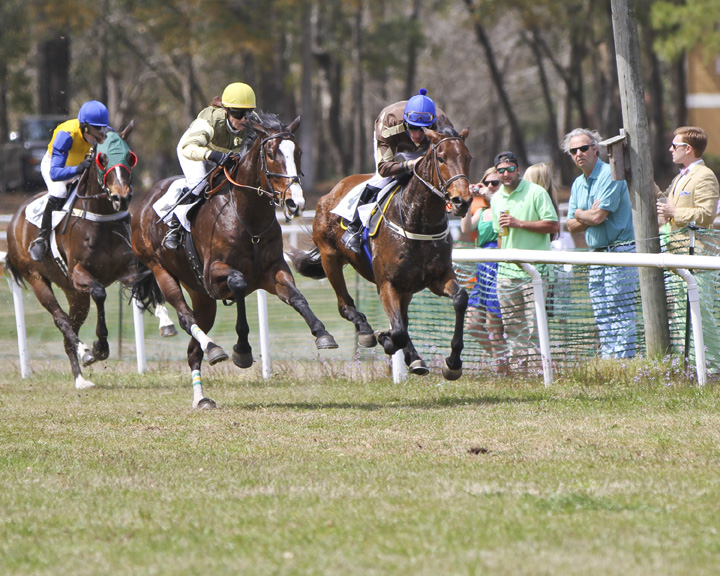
<point x="600" y="207"/>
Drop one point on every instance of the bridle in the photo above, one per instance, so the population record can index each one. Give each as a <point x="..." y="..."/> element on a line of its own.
<point x="102" y="174"/>
<point x="276" y="197"/>
<point x="442" y="192"/>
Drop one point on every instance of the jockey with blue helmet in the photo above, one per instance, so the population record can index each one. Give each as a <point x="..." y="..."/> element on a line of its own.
<point x="399" y="130"/>
<point x="65" y="160"/>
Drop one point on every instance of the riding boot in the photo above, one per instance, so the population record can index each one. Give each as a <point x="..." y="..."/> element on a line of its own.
<point x="172" y="238"/>
<point x="352" y="237"/>
<point x="38" y="247"/>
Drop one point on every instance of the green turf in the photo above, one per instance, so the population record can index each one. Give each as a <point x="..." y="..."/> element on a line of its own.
<point x="610" y="471"/>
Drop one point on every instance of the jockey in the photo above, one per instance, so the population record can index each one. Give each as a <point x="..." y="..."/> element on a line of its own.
<point x="213" y="136"/>
<point x="65" y="160"/>
<point x="399" y="129"/>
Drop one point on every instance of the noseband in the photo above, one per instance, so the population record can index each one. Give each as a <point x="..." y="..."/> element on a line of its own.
<point x="442" y="192"/>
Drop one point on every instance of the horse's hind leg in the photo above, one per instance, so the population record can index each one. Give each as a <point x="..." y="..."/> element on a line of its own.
<point x="287" y="292"/>
<point x="73" y="345"/>
<point x="346" y="305"/>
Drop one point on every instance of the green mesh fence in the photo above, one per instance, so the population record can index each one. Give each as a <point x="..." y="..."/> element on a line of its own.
<point x="572" y="326"/>
<point x="571" y="312"/>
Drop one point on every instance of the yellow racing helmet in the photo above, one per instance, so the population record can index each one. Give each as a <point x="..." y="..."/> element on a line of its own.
<point x="238" y="95"/>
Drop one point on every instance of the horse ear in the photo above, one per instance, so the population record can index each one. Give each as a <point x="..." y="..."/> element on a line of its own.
<point x="464" y="133"/>
<point x="126" y="131"/>
<point x="433" y="136"/>
<point x="294" y="125"/>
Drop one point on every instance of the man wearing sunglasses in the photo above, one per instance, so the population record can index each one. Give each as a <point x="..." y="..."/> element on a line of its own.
<point x="65" y="160"/>
<point x="600" y="207"/>
<point x="399" y="142"/>
<point x="525" y="218"/>
<point x="693" y="193"/>
<point x="212" y="138"/>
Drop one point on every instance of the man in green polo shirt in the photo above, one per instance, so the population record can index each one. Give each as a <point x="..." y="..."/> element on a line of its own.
<point x="525" y="213"/>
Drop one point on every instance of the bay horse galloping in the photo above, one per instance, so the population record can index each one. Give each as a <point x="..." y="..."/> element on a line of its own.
<point x="411" y="251"/>
<point x="238" y="248"/>
<point x="91" y="250"/>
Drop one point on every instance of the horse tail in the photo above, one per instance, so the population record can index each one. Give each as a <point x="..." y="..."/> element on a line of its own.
<point x="308" y="263"/>
<point x="145" y="289"/>
<point x="14" y="272"/>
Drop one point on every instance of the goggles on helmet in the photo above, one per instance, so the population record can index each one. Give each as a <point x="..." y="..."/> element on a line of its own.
<point x="420" y="118"/>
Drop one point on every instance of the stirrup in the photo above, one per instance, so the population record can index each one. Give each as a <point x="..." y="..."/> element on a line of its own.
<point x="172" y="238"/>
<point x="38" y="248"/>
<point x="352" y="240"/>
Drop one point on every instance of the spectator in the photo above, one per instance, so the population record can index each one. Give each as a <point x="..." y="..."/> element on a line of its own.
<point x="693" y="194"/>
<point x="524" y="218"/>
<point x="483" y="319"/>
<point x="600" y="207"/>
<point x="691" y="198"/>
<point x="558" y="298"/>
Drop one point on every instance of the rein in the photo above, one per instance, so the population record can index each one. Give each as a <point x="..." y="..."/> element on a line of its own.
<point x="443" y="184"/>
<point x="442" y="193"/>
<point x="276" y="198"/>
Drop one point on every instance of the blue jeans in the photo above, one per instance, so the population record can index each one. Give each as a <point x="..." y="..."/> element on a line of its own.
<point x="612" y="291"/>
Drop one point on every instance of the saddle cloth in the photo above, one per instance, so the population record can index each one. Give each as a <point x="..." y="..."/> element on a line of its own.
<point x="164" y="205"/>
<point x="349" y="203"/>
<point x="35" y="210"/>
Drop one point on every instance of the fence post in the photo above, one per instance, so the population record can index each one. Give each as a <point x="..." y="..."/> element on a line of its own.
<point x="20" y="325"/>
<point x="139" y="323"/>
<point x="542" y="323"/>
<point x="264" y="333"/>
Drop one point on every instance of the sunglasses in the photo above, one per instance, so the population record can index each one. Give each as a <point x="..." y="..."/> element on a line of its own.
<point x="585" y="148"/>
<point x="238" y="113"/>
<point x="491" y="182"/>
<point x="676" y="146"/>
<point x="510" y="169"/>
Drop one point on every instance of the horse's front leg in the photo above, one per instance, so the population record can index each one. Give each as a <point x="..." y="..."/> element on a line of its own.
<point x="285" y="288"/>
<point x="396" y="307"/>
<point x="452" y="369"/>
<point x="85" y="283"/>
<point x="242" y="351"/>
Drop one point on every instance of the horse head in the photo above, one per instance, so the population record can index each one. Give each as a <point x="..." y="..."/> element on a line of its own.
<point x="114" y="162"/>
<point x="449" y="160"/>
<point x="280" y="163"/>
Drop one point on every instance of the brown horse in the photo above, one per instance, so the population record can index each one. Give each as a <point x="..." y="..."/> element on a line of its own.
<point x="238" y="242"/>
<point x="411" y="251"/>
<point x="93" y="250"/>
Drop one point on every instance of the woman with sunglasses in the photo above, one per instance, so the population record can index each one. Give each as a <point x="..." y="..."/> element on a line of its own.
<point x="400" y="142"/>
<point x="216" y="134"/>
<point x="65" y="160"/>
<point x="483" y="319"/>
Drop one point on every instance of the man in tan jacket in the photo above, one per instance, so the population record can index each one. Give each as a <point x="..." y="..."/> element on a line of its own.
<point x="693" y="194"/>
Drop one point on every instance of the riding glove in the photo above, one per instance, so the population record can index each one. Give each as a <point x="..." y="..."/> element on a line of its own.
<point x="84" y="165"/>
<point x="219" y="158"/>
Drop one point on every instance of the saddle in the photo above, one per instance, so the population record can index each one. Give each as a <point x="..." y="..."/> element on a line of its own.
<point x="376" y="215"/>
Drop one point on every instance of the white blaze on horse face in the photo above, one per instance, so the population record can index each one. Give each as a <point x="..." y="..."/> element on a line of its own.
<point x="287" y="147"/>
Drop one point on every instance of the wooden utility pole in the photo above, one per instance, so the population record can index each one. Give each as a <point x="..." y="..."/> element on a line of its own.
<point x="641" y="179"/>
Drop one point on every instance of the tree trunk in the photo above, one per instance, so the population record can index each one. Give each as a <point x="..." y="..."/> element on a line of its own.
<point x="307" y="134"/>
<point x="359" y="128"/>
<point x="641" y="181"/>
<point x="516" y="134"/>
<point x="413" y="48"/>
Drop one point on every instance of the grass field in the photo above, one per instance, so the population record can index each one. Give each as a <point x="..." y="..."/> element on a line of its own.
<point x="610" y="471"/>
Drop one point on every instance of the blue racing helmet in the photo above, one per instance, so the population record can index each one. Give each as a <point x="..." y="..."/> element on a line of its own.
<point x="420" y="110"/>
<point x="94" y="113"/>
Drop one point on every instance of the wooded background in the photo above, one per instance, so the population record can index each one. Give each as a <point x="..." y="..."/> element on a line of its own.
<point x="519" y="74"/>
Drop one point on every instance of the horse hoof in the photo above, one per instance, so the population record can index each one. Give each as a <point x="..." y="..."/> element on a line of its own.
<point x="451" y="373"/>
<point x="326" y="342"/>
<point x="168" y="331"/>
<point x="367" y="340"/>
<point x="206" y="404"/>
<point x="88" y="358"/>
<point x="82" y="384"/>
<point x="215" y="354"/>
<point x="418" y="367"/>
<point x="244" y="360"/>
<point x="100" y="352"/>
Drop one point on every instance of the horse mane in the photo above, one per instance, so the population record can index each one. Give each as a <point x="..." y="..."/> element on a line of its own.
<point x="268" y="120"/>
<point x="446" y="130"/>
